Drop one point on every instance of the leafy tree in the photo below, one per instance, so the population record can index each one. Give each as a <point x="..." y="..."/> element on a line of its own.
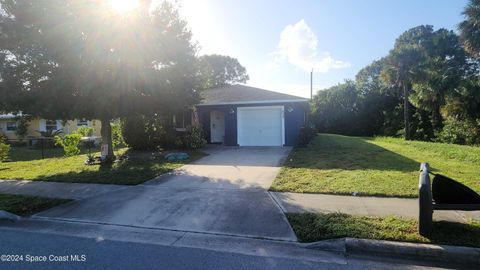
<point x="470" y="28"/>
<point x="380" y="111"/>
<point x="404" y="65"/>
<point x="82" y="59"/>
<point x="220" y="70"/>
<point x="338" y="110"/>
<point x="444" y="68"/>
<point x="23" y="122"/>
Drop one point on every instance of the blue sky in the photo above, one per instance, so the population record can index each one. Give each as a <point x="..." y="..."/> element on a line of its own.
<point x="279" y="41"/>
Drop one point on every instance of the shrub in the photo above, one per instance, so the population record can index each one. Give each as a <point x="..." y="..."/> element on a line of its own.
<point x="69" y="143"/>
<point x="85" y="131"/>
<point x="4" y="150"/>
<point x="305" y="135"/>
<point x="117" y="136"/>
<point x="166" y="137"/>
<point x="194" y="138"/>
<point x="48" y="138"/>
<point x="135" y="134"/>
<point x="460" y="132"/>
<point x="149" y="133"/>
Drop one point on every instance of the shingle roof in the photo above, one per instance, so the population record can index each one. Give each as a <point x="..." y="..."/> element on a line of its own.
<point x="238" y="94"/>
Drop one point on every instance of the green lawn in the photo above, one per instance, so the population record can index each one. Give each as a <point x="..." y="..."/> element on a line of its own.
<point x="379" y="166"/>
<point x="27" y="205"/>
<point x="315" y="227"/>
<point x="26" y="164"/>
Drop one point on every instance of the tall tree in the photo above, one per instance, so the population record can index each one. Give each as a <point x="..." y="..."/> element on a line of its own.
<point x="470" y="28"/>
<point x="83" y="59"/>
<point x="220" y="70"/>
<point x="444" y="68"/>
<point x="403" y="65"/>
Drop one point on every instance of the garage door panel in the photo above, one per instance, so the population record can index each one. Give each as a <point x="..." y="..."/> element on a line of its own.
<point x="260" y="126"/>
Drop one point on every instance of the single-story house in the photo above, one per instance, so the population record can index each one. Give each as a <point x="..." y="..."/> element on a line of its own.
<point x="9" y="124"/>
<point x="241" y="115"/>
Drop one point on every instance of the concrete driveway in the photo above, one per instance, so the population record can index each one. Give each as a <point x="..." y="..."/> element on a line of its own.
<point x="223" y="193"/>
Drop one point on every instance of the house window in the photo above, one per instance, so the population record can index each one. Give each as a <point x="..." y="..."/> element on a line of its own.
<point x="11" y="126"/>
<point x="50" y="125"/>
<point x="82" y="122"/>
<point x="182" y="120"/>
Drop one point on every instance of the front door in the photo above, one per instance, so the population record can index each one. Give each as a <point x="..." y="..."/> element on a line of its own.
<point x="217" y="127"/>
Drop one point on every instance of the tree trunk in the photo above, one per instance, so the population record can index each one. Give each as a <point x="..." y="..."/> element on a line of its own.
<point x="406" y="112"/>
<point x="437" y="121"/>
<point x="106" y="132"/>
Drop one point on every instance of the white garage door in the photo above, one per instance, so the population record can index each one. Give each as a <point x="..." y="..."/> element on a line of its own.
<point x="260" y="126"/>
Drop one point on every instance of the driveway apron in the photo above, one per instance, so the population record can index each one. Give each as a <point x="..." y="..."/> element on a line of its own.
<point x="222" y="193"/>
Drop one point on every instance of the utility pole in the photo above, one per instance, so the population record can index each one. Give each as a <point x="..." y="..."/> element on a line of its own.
<point x="311" y="84"/>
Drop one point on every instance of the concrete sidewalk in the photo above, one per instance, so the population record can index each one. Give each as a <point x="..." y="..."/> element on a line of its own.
<point x="363" y="206"/>
<point x="73" y="191"/>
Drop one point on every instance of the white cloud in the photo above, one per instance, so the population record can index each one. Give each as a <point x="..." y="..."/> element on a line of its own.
<point x="299" y="46"/>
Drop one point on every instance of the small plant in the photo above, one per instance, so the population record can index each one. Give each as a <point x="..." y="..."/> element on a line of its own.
<point x="50" y="133"/>
<point x="91" y="160"/>
<point x="69" y="143"/>
<point x="194" y="138"/>
<point x="85" y="131"/>
<point x="47" y="139"/>
<point x="4" y="150"/>
<point x="306" y="135"/>
<point x="117" y="136"/>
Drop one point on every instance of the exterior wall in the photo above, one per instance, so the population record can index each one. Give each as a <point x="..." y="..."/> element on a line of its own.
<point x="71" y="126"/>
<point x="294" y="119"/>
<point x="38" y="124"/>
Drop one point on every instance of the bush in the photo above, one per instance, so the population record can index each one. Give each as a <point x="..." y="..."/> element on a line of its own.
<point x="149" y="133"/>
<point x="117" y="136"/>
<point x="4" y="150"/>
<point x="135" y="133"/>
<point x="48" y="138"/>
<point x="69" y="143"/>
<point x="460" y="132"/>
<point x="3" y="138"/>
<point x="194" y="138"/>
<point x="85" y="131"/>
<point x="306" y="135"/>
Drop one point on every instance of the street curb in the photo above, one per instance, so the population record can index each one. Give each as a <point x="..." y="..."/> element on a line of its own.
<point x="5" y="215"/>
<point x="444" y="253"/>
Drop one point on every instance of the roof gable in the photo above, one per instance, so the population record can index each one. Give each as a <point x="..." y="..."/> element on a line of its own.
<point x="238" y="94"/>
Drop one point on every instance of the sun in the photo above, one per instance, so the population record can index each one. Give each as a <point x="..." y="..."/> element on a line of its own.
<point x="123" y="6"/>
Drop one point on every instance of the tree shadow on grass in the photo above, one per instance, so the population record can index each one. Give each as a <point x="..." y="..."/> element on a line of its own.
<point x="455" y="233"/>
<point x="126" y="172"/>
<point x="28" y="153"/>
<point x="348" y="153"/>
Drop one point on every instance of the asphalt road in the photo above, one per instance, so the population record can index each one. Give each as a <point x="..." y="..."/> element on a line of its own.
<point x="106" y="254"/>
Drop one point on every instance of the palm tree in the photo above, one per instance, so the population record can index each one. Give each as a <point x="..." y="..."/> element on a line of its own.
<point x="400" y="71"/>
<point x="470" y="28"/>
